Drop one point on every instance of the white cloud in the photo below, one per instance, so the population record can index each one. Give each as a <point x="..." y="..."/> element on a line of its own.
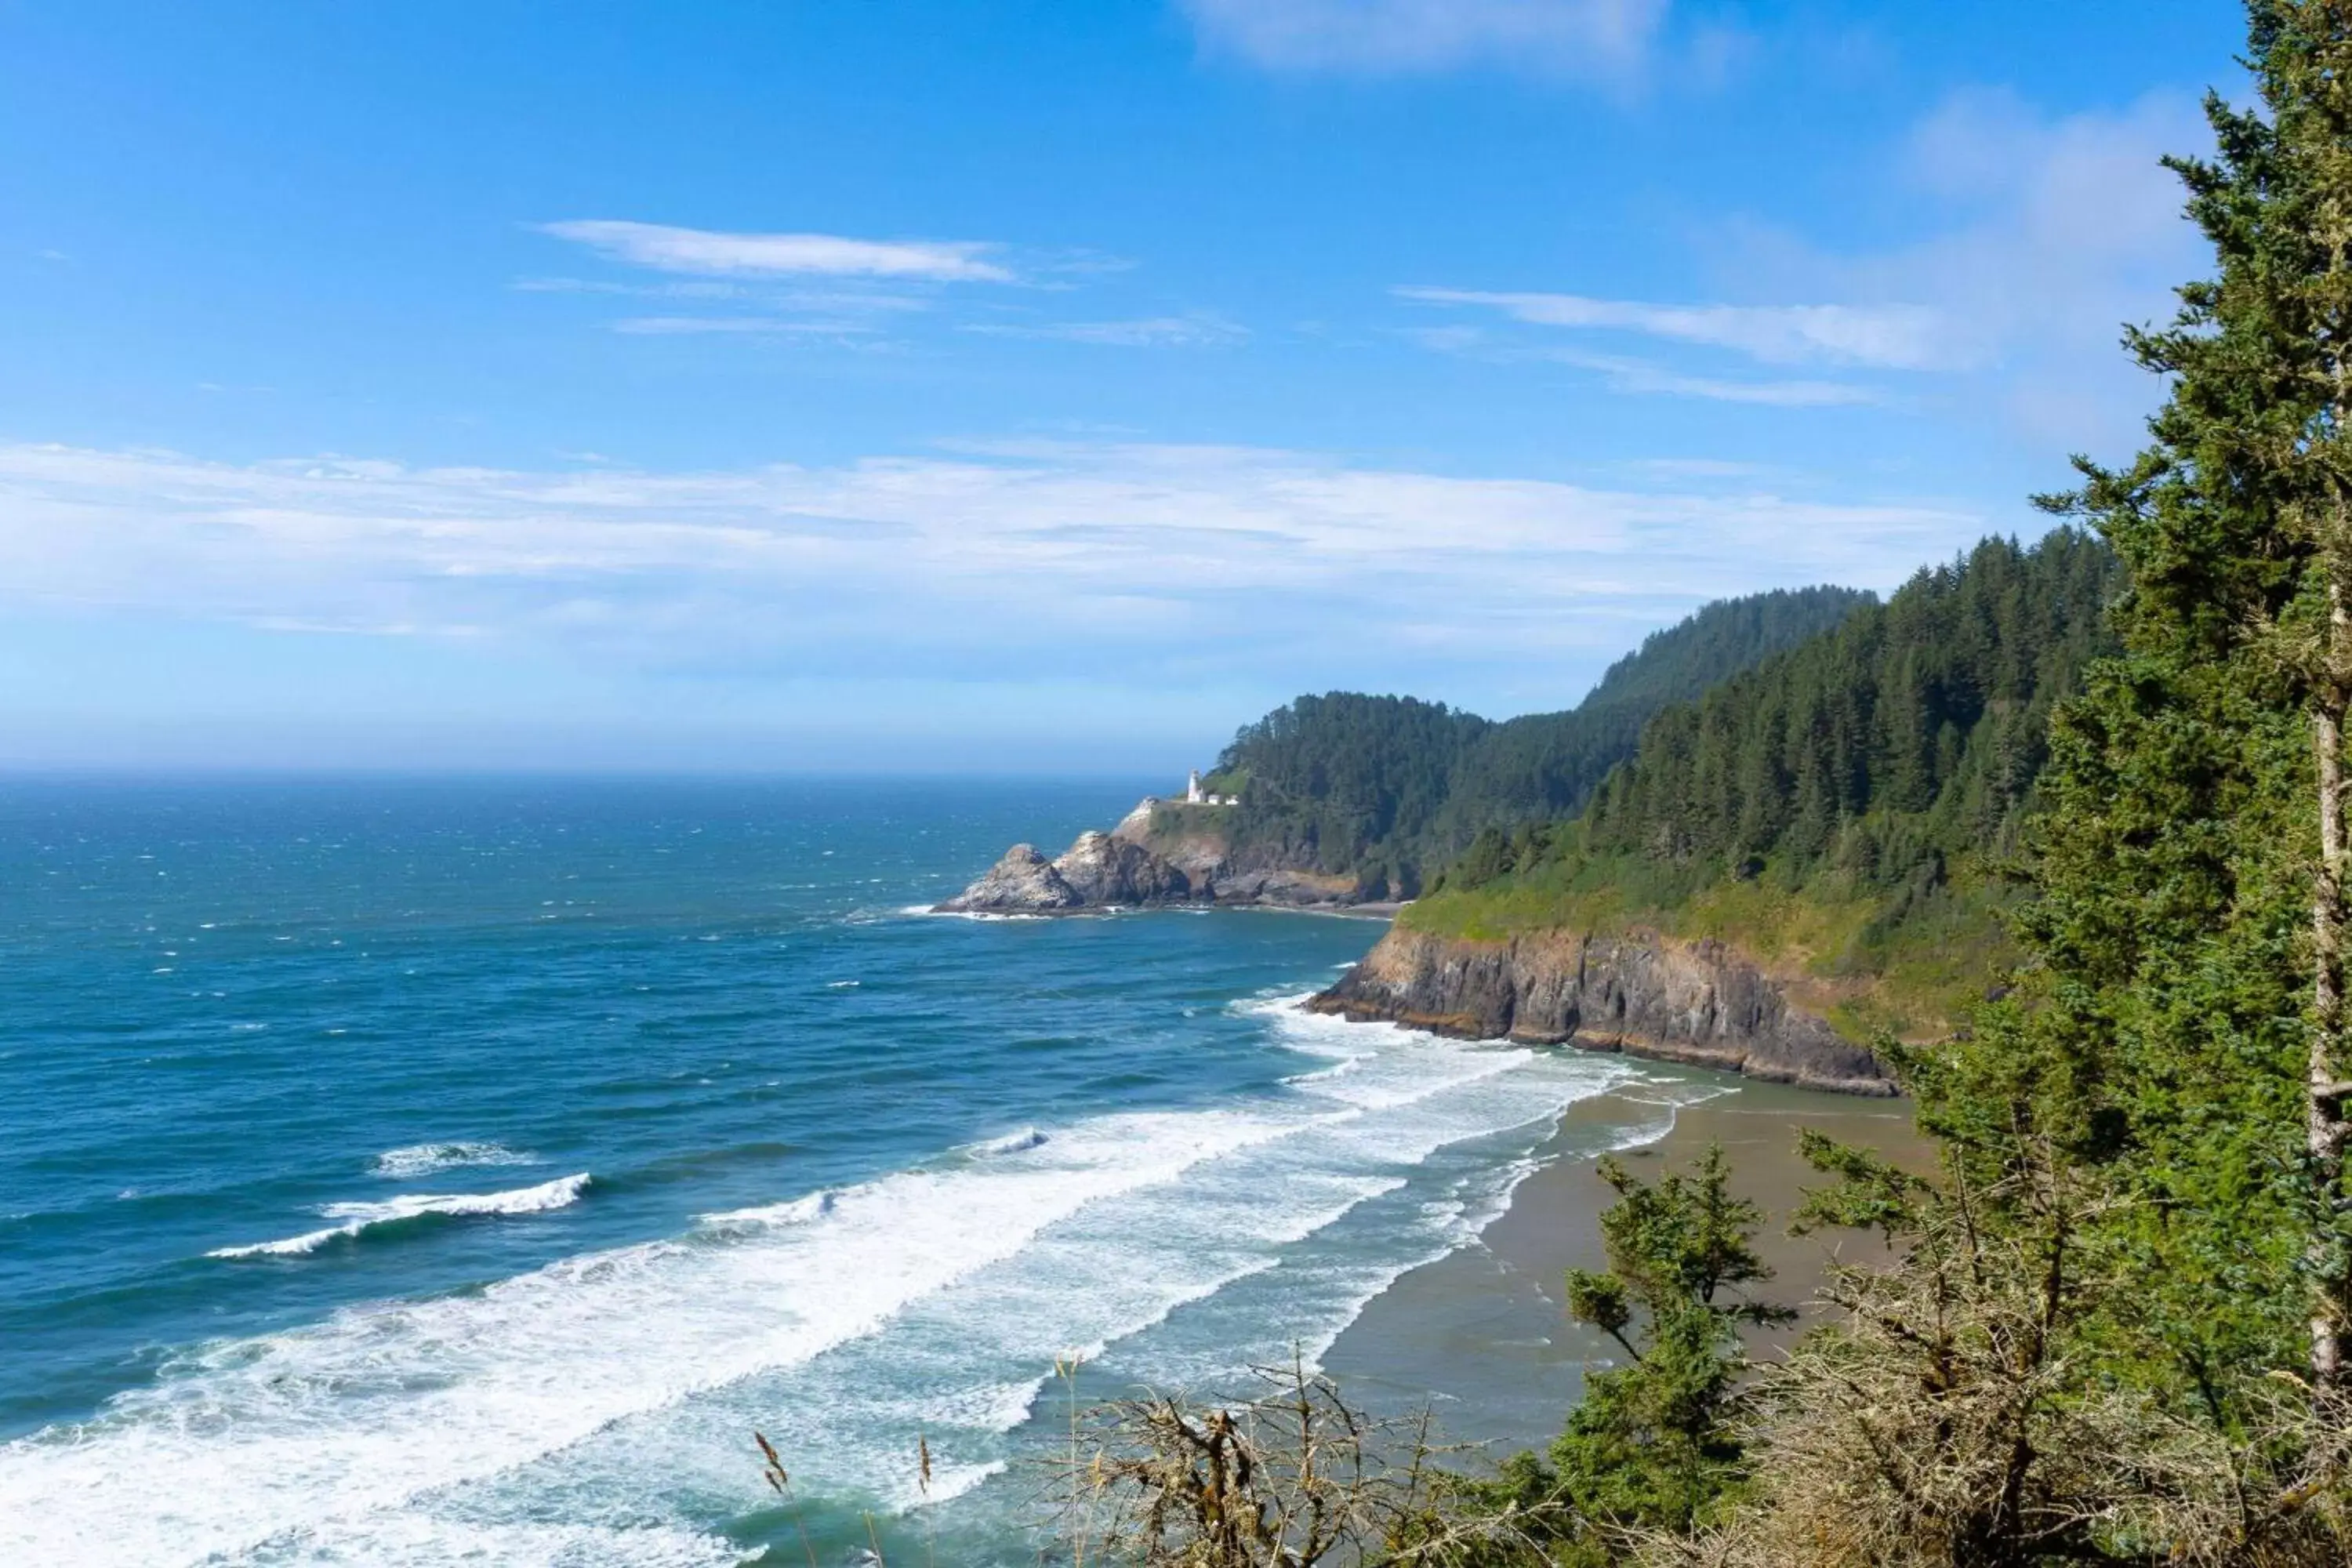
<point x="2041" y="237"/>
<point x="2074" y="229"/>
<point x="1599" y="38"/>
<point x="1642" y="377"/>
<point x="1150" y="331"/>
<point x="709" y="253"/>
<point x="1890" y="337"/>
<point x="1036" y="555"/>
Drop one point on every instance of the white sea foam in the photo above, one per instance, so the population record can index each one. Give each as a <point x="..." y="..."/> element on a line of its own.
<point x="604" y="1388"/>
<point x="426" y="1159"/>
<point x="1011" y="1143"/>
<point x="561" y="1192"/>
<point x="800" y="1211"/>
<point x="423" y="1540"/>
<point x="925" y="910"/>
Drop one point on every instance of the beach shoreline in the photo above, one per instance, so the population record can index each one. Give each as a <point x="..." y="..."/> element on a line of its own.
<point x="1482" y="1333"/>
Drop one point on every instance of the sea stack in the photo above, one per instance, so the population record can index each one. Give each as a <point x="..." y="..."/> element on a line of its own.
<point x="1023" y="882"/>
<point x="1098" y="871"/>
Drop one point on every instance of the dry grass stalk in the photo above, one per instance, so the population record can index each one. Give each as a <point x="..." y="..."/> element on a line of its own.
<point x="780" y="1481"/>
<point x="923" y="1486"/>
<point x="1081" y="1505"/>
<point x="1291" y="1478"/>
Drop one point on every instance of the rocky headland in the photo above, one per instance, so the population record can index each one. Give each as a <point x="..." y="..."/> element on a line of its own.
<point x="1694" y="1002"/>
<point x="1162" y="853"/>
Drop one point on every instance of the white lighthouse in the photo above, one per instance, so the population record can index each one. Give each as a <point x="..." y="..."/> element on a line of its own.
<point x="1193" y="795"/>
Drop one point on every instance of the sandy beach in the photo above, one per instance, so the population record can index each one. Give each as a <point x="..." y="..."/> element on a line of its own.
<point x="1484" y="1326"/>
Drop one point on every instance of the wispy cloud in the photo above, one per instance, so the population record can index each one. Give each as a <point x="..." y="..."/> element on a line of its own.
<point x="1150" y="331"/>
<point x="1890" y="337"/>
<point x="711" y="253"/>
<point x="1046" y="555"/>
<point x="2053" y="232"/>
<point x="1643" y="378"/>
<point x="1593" y="39"/>
<point x="2044" y="235"/>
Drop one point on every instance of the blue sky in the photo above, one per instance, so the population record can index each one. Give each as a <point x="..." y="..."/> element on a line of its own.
<point x="1028" y="386"/>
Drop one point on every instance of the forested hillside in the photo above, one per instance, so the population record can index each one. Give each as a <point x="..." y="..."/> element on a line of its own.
<point x="1852" y="796"/>
<point x="1389" y="788"/>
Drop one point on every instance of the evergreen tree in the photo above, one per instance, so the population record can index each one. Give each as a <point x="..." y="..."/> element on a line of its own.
<point x="1655" y="1444"/>
<point x="1912" y="734"/>
<point x="2210" y="763"/>
<point x="1387" y="788"/>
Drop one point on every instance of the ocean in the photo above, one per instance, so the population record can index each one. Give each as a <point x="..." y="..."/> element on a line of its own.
<point x="425" y="1173"/>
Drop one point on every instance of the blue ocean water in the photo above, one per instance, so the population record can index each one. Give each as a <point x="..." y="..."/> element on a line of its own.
<point x="426" y="1173"/>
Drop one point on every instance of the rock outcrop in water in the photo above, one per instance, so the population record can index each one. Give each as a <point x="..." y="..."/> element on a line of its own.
<point x="1098" y="871"/>
<point x="1699" y="1002"/>
<point x="1162" y="852"/>
<point x="1023" y="882"/>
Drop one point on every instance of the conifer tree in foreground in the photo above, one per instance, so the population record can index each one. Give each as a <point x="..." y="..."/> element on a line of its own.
<point x="2237" y="525"/>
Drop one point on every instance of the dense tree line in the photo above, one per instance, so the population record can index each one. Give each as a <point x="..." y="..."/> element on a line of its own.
<point x="1347" y="783"/>
<point x="1389" y="787"/>
<point x="1912" y="734"/>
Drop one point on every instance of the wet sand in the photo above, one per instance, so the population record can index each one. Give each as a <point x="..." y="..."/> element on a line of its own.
<point x="1482" y="1332"/>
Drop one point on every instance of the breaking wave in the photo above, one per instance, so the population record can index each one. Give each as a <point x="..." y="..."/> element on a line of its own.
<point x="358" y="1219"/>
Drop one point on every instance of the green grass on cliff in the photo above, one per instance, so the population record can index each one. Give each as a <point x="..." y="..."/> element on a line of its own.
<point x="1867" y="959"/>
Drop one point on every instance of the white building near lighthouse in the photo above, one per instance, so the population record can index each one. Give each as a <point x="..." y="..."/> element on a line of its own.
<point x="1196" y="795"/>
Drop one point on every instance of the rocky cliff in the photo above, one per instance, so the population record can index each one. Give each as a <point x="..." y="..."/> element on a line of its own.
<point x="1162" y="852"/>
<point x="1675" y="1001"/>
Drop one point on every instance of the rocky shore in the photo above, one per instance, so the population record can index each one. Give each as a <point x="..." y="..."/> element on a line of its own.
<point x="1699" y="1002"/>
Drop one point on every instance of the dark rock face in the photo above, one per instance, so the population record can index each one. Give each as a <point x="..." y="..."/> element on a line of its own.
<point x="1257" y="874"/>
<point x="1286" y="887"/>
<point x="1686" y="1002"/>
<point x="1097" y="871"/>
<point x="1107" y="870"/>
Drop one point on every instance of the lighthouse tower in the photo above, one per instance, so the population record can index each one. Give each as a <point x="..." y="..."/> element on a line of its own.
<point x="1192" y="789"/>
